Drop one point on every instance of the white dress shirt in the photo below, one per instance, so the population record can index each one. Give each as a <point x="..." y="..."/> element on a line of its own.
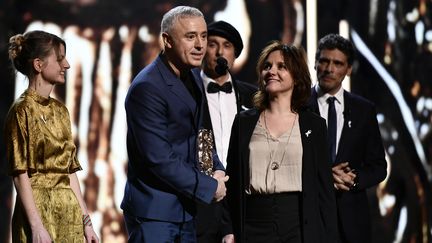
<point x="222" y="108"/>
<point x="339" y="106"/>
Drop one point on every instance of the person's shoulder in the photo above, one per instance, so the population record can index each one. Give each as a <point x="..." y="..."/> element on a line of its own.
<point x="307" y="113"/>
<point x="153" y="66"/>
<point x="22" y="103"/>
<point x="59" y="104"/>
<point x="245" y="86"/>
<point x="248" y="113"/>
<point x="358" y="99"/>
<point x="22" y="107"/>
<point x="147" y="75"/>
<point x="308" y="117"/>
<point x="19" y="106"/>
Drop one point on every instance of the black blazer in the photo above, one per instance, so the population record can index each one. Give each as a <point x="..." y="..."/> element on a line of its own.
<point x="318" y="210"/>
<point x="360" y="144"/>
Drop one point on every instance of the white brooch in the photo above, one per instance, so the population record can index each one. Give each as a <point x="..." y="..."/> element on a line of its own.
<point x="244" y="108"/>
<point x="308" y="133"/>
<point x="349" y="124"/>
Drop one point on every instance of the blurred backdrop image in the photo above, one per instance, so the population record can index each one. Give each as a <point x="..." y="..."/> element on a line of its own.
<point x="110" y="41"/>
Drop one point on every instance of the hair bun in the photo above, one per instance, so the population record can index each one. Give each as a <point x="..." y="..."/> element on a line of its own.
<point x="16" y="42"/>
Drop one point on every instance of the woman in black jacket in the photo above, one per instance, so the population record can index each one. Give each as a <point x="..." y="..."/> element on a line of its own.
<point x="280" y="187"/>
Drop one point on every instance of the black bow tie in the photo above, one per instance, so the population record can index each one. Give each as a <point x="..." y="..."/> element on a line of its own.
<point x="213" y="87"/>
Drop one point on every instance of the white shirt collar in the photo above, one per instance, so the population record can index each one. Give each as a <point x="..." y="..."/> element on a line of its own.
<point x="322" y="97"/>
<point x="206" y="79"/>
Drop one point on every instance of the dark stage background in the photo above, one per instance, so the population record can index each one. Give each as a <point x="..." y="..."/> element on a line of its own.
<point x="109" y="41"/>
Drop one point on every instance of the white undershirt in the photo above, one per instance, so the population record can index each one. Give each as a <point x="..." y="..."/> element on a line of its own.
<point x="222" y="109"/>
<point x="339" y="106"/>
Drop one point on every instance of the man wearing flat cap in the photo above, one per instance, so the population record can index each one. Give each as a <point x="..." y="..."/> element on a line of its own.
<point x="225" y="97"/>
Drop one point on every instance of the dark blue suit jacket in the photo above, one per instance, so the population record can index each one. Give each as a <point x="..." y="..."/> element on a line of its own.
<point x="360" y="144"/>
<point x="163" y="179"/>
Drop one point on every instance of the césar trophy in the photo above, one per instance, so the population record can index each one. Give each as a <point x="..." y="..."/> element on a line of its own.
<point x="205" y="151"/>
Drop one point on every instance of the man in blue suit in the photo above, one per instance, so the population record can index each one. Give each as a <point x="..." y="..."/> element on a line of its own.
<point x="354" y="138"/>
<point x="163" y="108"/>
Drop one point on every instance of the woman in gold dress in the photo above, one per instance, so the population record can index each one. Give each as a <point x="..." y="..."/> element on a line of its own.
<point x="40" y="150"/>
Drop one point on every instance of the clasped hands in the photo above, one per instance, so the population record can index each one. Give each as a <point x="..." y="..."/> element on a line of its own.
<point x="343" y="176"/>
<point x="221" y="178"/>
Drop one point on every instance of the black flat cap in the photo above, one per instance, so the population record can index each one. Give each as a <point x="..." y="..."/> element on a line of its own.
<point x="227" y="31"/>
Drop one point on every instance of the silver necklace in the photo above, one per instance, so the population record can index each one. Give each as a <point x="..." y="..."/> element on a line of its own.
<point x="274" y="165"/>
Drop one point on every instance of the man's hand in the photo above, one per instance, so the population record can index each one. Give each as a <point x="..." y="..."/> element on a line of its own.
<point x="343" y="176"/>
<point x="219" y="174"/>
<point x="221" y="189"/>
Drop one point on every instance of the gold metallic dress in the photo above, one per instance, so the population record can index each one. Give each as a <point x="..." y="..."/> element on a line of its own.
<point x="39" y="142"/>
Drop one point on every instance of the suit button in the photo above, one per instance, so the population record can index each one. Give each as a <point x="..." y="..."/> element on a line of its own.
<point x="305" y="222"/>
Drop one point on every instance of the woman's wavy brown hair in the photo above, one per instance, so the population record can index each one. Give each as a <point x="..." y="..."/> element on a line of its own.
<point x="296" y="62"/>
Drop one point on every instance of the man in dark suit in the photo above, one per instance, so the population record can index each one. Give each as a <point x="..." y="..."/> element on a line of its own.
<point x="225" y="97"/>
<point x="355" y="143"/>
<point x="163" y="108"/>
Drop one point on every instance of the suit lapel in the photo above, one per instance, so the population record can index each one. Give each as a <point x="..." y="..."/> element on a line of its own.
<point x="237" y="94"/>
<point x="206" y="115"/>
<point x="306" y="133"/>
<point x="200" y="97"/>
<point x="176" y="86"/>
<point x="313" y="102"/>
<point x="348" y="124"/>
<point x="246" y="128"/>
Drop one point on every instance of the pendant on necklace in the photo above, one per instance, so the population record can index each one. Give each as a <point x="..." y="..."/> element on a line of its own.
<point x="274" y="166"/>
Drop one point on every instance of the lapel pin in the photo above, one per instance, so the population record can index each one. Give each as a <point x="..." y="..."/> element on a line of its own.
<point x="244" y="108"/>
<point x="349" y="124"/>
<point x="308" y="133"/>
